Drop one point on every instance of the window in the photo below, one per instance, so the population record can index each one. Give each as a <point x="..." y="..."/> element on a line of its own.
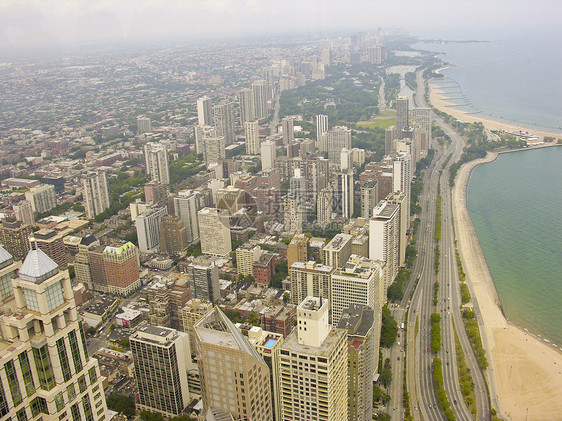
<point x="6" y="289"/>
<point x="21" y="415"/>
<point x="44" y="367"/>
<point x="3" y="402"/>
<point x="59" y="401"/>
<point x="13" y="382"/>
<point x="75" y="412"/>
<point x="87" y="408"/>
<point x="26" y="373"/>
<point x="92" y="374"/>
<point x="75" y="351"/>
<point x="54" y="296"/>
<point x="63" y="357"/>
<point x="30" y="297"/>
<point x="38" y="406"/>
<point x="71" y="391"/>
<point x="82" y="384"/>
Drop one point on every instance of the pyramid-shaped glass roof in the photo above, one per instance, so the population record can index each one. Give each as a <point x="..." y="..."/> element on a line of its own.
<point x="37" y="267"/>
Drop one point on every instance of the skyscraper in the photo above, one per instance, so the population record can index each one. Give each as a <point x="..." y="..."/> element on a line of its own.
<point x="259" y="89"/>
<point x="338" y="138"/>
<point x="316" y="389"/>
<point x="401" y="114"/>
<point x="422" y="117"/>
<point x="143" y="125"/>
<point x="203" y="276"/>
<point x="384" y="238"/>
<point x="52" y="244"/>
<point x="288" y="130"/>
<point x="324" y="206"/>
<point x="148" y="228"/>
<point x="23" y="212"/>
<point x="95" y="191"/>
<point x="155" y="192"/>
<point x="173" y="235"/>
<point x="42" y="197"/>
<point x="213" y="150"/>
<point x="214" y="231"/>
<point x="308" y="278"/>
<point x="121" y="266"/>
<point x="201" y="133"/>
<point x="156" y="157"/>
<point x="63" y="382"/>
<point x="223" y="116"/>
<point x="246" y="105"/>
<point x="161" y="356"/>
<point x="347" y="184"/>
<point x="369" y="197"/>
<point x="186" y="205"/>
<point x="204" y="111"/>
<point x="389" y="137"/>
<point x="297" y="251"/>
<point x="321" y="126"/>
<point x="234" y="377"/>
<point x="14" y="237"/>
<point x="362" y="347"/>
<point x="251" y="129"/>
<point x="338" y="250"/>
<point x="268" y="154"/>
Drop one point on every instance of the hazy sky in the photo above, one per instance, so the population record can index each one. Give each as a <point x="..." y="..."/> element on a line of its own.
<point x="72" y="22"/>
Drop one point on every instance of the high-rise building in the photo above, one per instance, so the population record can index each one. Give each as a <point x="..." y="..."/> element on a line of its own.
<point x="214" y="150"/>
<point x="399" y="198"/>
<point x="96" y="193"/>
<point x="155" y="193"/>
<point x="384" y="238"/>
<point x="308" y="278"/>
<point x="268" y="154"/>
<point x="259" y="89"/>
<point x="14" y="237"/>
<point x="338" y="138"/>
<point x="288" y="130"/>
<point x="376" y="54"/>
<point x="203" y="274"/>
<point x="338" y="250"/>
<point x="148" y="228"/>
<point x="201" y="133"/>
<point x="193" y="311"/>
<point x="52" y="243"/>
<point x="161" y="357"/>
<point x="389" y="138"/>
<point x="186" y="205"/>
<point x="234" y="376"/>
<point x="402" y="179"/>
<point x="57" y="181"/>
<point x="347" y="185"/>
<point x="369" y="197"/>
<point x="143" y="125"/>
<point x="246" y="255"/>
<point x="214" y="231"/>
<point x="321" y="126"/>
<point x="324" y="206"/>
<point x="251" y="129"/>
<point x="297" y="251"/>
<point x="23" y="212"/>
<point x="362" y="347"/>
<point x="204" y="111"/>
<point x="246" y="105"/>
<point x="292" y="214"/>
<point x="223" y="115"/>
<point x="173" y="235"/>
<point x="42" y="198"/>
<point x="156" y="157"/>
<point x="121" y="266"/>
<point x="358" y="282"/>
<point x="422" y="117"/>
<point x="323" y="376"/>
<point x="46" y="369"/>
<point x="401" y="114"/>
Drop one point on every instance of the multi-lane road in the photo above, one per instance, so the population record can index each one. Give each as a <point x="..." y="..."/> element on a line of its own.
<point x="419" y="297"/>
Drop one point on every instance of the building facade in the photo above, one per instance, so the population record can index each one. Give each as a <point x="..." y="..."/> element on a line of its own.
<point x="96" y="193"/>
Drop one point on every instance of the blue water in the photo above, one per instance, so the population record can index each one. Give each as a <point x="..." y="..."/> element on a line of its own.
<point x="516" y="80"/>
<point x="515" y="204"/>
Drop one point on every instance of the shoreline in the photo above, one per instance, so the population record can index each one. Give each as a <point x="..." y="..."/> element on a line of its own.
<point x="439" y="101"/>
<point x="524" y="373"/>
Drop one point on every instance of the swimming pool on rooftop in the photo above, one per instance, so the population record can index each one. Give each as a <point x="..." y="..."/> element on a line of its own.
<point x="270" y="343"/>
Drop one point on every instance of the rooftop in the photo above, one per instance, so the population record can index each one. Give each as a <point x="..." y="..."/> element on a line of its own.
<point x="328" y="346"/>
<point x="37" y="266"/>
<point x="338" y="242"/>
<point x="357" y="320"/>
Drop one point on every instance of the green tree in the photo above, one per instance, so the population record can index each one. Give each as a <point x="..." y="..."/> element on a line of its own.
<point x="389" y="329"/>
<point x="151" y="416"/>
<point x="121" y="403"/>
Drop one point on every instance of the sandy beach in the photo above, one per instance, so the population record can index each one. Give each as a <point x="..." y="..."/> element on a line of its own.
<point x="525" y="373"/>
<point x="438" y="100"/>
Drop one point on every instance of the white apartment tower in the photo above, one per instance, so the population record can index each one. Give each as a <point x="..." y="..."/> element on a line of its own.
<point x="246" y="105"/>
<point x="338" y="138"/>
<point x="42" y="197"/>
<point x="186" y="205"/>
<point x="95" y="191"/>
<point x="204" y="111"/>
<point x="402" y="179"/>
<point x="268" y="154"/>
<point x="321" y="126"/>
<point x="251" y="129"/>
<point x="46" y="371"/>
<point x="156" y="157"/>
<point x="312" y="367"/>
<point x="161" y="357"/>
<point x="23" y="212"/>
<point x="384" y="238"/>
<point x="201" y="133"/>
<point x="401" y="114"/>
<point x="223" y="115"/>
<point x="347" y="184"/>
<point x="422" y="117"/>
<point x="148" y="228"/>
<point x="214" y="150"/>
<point x="288" y="130"/>
<point x="143" y="125"/>
<point x="259" y="89"/>
<point x="214" y="231"/>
